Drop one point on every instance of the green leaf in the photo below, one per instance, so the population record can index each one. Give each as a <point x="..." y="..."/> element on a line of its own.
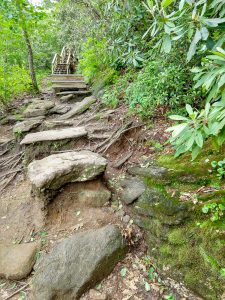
<point x="195" y="152"/>
<point x="147" y="286"/>
<point x="166" y="44"/>
<point x="205" y="209"/>
<point x="123" y="272"/>
<point x="166" y="3"/>
<point x="189" y="109"/>
<point x="178" y="118"/>
<point x="199" y="139"/>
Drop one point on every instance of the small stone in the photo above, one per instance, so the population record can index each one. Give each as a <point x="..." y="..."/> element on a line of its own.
<point x="17" y="261"/>
<point x="120" y="213"/>
<point x="152" y="171"/>
<point x="67" y="98"/>
<point x="95" y="295"/>
<point x="126" y="219"/>
<point x="27" y="125"/>
<point x="132" y="189"/>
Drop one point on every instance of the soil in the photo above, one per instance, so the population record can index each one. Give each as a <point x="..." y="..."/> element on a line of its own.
<point x="23" y="219"/>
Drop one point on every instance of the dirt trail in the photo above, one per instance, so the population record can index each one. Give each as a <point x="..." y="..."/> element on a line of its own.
<point x="116" y="135"/>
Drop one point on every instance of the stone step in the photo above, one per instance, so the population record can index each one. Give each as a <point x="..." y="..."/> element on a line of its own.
<point x="68" y="81"/>
<point x="78" y="93"/>
<point x="52" y="172"/>
<point x="66" y="77"/>
<point x="64" y="86"/>
<point x="27" y="125"/>
<point x="54" y="135"/>
<point x="79" y="108"/>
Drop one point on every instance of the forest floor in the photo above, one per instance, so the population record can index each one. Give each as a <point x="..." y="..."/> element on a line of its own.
<point x="20" y="216"/>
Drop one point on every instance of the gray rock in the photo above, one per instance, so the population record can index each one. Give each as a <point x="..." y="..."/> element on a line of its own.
<point x="92" y="194"/>
<point x="54" y="135"/>
<point x="56" y="123"/>
<point x="17" y="261"/>
<point x="95" y="295"/>
<point x="77" y="264"/>
<point x="60" y="109"/>
<point x="27" y="125"/>
<point x="151" y="171"/>
<point x="132" y="189"/>
<point x="79" y="107"/>
<point x="38" y="108"/>
<point x="126" y="219"/>
<point x="52" y="172"/>
<point x="67" y="98"/>
<point x="156" y="203"/>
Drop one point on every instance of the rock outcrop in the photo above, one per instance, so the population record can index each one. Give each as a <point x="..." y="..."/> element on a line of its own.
<point x="27" y="125"/>
<point x="38" y="108"/>
<point x="54" y="135"/>
<point x="79" y="107"/>
<point x="51" y="173"/>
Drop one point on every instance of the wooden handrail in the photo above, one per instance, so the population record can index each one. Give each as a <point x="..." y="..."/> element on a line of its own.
<point x="60" y="59"/>
<point x="55" y="62"/>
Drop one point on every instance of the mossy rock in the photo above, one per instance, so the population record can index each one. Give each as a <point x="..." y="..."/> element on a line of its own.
<point x="160" y="205"/>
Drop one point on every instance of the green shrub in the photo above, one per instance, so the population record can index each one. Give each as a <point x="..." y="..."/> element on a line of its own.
<point x="161" y="82"/>
<point x="13" y="82"/>
<point x="93" y="60"/>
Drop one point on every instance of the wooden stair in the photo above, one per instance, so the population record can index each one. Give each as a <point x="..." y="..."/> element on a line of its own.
<point x="63" y="82"/>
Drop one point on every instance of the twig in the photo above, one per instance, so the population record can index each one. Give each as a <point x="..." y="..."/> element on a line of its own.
<point x="91" y="115"/>
<point x="8" y="181"/>
<point x="10" y="172"/>
<point x="119" y="134"/>
<point x="17" y="291"/>
<point x="123" y="159"/>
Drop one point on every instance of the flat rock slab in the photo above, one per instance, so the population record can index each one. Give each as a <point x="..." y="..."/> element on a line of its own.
<point x="38" y="108"/>
<point x="56" y="123"/>
<point x="60" y="109"/>
<point x="151" y="171"/>
<point x="78" y="263"/>
<point x="27" y="125"/>
<point x="54" y="135"/>
<point x="54" y="171"/>
<point x="132" y="189"/>
<point x="79" y="107"/>
<point x="17" y="261"/>
<point x="67" y="98"/>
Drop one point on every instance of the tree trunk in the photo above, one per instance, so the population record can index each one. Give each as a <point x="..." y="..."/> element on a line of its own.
<point x="30" y="60"/>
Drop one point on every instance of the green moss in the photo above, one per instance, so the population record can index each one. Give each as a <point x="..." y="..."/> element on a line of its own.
<point x="177" y="237"/>
<point x="166" y="250"/>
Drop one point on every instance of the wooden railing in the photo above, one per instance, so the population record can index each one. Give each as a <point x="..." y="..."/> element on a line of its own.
<point x="55" y="62"/>
<point x="62" y="59"/>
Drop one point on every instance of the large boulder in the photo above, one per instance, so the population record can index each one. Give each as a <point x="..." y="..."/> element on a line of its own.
<point x="79" y="107"/>
<point x="27" y="125"/>
<point x="17" y="261"/>
<point x="77" y="264"/>
<point x="38" y="108"/>
<point x="54" y="135"/>
<point x="51" y="173"/>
